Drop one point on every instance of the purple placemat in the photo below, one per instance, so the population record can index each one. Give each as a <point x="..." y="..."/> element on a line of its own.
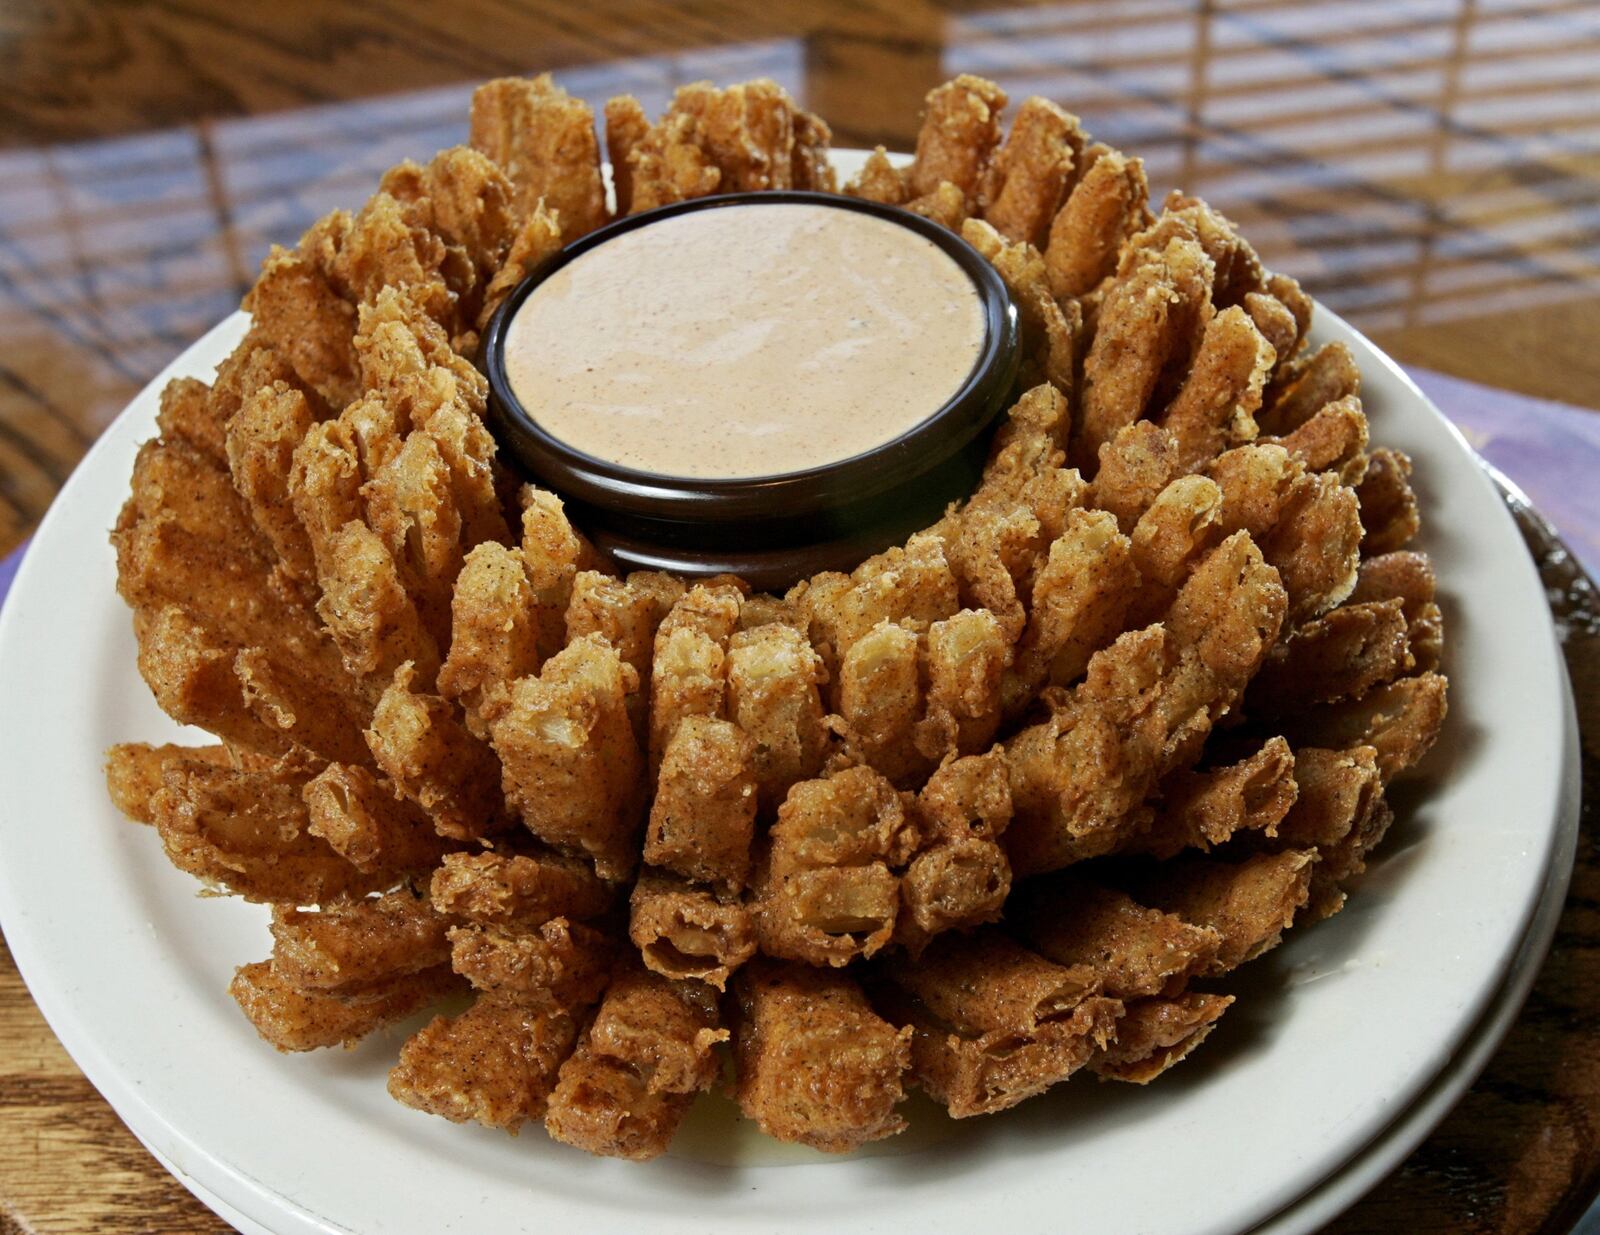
<point x="1550" y="450"/>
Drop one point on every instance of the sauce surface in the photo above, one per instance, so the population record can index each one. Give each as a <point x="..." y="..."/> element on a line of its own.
<point x="743" y="341"/>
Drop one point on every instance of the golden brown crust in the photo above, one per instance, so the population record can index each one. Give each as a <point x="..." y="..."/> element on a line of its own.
<point x="1155" y="1034"/>
<point x="684" y="931"/>
<point x="557" y="964"/>
<point x="995" y="1024"/>
<point x="960" y="129"/>
<point x="496" y="1063"/>
<point x="295" y="1019"/>
<point x="544" y="141"/>
<point x="815" y="1064"/>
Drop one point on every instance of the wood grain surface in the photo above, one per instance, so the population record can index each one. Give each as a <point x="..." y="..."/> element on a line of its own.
<point x="1430" y="169"/>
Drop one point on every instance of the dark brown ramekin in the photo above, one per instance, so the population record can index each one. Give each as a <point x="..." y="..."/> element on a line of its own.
<point x="772" y="530"/>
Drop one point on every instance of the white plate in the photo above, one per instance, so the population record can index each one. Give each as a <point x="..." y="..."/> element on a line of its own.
<point x="1367" y="1169"/>
<point x="130" y="966"/>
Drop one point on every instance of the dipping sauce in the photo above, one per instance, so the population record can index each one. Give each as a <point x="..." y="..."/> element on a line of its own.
<point x="744" y="341"/>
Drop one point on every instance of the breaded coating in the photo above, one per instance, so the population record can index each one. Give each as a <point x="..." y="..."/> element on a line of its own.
<point x="385" y="245"/>
<point x="325" y="482"/>
<point x="1388" y="505"/>
<point x="960" y="129"/>
<point x="1301" y="391"/>
<point x="1216" y="405"/>
<point x="1155" y="1034"/>
<point x="369" y="614"/>
<point x="816" y="1065"/>
<point x="1401" y="721"/>
<point x="254" y="363"/>
<point x="368" y="823"/>
<point x="946" y="205"/>
<point x="494" y="632"/>
<point x="626" y="126"/>
<point x="879" y="180"/>
<point x="960" y="877"/>
<point x="1136" y="952"/>
<point x="1404" y="575"/>
<point x="259" y="700"/>
<point x="1024" y="185"/>
<point x="1257" y="482"/>
<point x="772" y="681"/>
<point x="260" y="443"/>
<point x="495" y="1064"/>
<point x="553" y="554"/>
<point x="1049" y="329"/>
<point x="1332" y="440"/>
<point x="995" y="1024"/>
<point x="688" y="675"/>
<point x="881" y="702"/>
<point x="1337" y="790"/>
<point x="911" y="586"/>
<point x="745" y="137"/>
<point x="411" y="507"/>
<point x="184" y="538"/>
<point x="746" y="130"/>
<point x="665" y="1031"/>
<point x="246" y="830"/>
<point x="1106" y="206"/>
<point x="351" y="946"/>
<point x="188" y="414"/>
<point x="536" y="241"/>
<point x="602" y="1107"/>
<point x="558" y="964"/>
<point x="625" y="1090"/>
<point x="703" y="817"/>
<point x="192" y="678"/>
<point x="544" y="141"/>
<point x="1238" y="268"/>
<point x="294" y="1019"/>
<point x="1408" y="577"/>
<point x="304" y="320"/>
<point x="1341" y="655"/>
<point x="1316" y="545"/>
<point x="1151" y="320"/>
<point x="1342" y="813"/>
<point x="625" y="613"/>
<point x="1180" y="527"/>
<point x="528" y="889"/>
<point x="136" y="771"/>
<point x="827" y="892"/>
<point x="1080" y="778"/>
<point x="318" y="715"/>
<point x="409" y="362"/>
<point x="1025" y="461"/>
<point x="420" y="743"/>
<point x="1276" y="324"/>
<point x="965" y="658"/>
<point x="1135" y="466"/>
<point x="808" y="161"/>
<point x="571" y="766"/>
<point x="1249" y="904"/>
<point x="669" y="164"/>
<point x="463" y="197"/>
<point x="1202" y="809"/>
<point x="684" y="931"/>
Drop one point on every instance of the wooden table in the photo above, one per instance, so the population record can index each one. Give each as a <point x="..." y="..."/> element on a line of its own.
<point x="1431" y="170"/>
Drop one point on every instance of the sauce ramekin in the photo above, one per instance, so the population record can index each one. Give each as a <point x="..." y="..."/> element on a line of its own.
<point x="770" y="530"/>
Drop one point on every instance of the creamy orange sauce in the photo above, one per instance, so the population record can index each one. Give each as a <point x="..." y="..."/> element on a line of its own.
<point x="742" y="341"/>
